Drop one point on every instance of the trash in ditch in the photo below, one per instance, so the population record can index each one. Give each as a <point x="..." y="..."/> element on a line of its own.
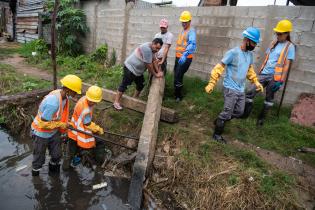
<point x="20" y="168"/>
<point x="104" y="207"/>
<point x="99" y="186"/>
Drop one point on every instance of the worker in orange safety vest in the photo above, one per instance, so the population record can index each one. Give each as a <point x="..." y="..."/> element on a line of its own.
<point x="50" y="121"/>
<point x="82" y="120"/>
<point x="185" y="48"/>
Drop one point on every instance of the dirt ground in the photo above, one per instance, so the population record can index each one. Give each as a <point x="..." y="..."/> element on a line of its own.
<point x="303" y="112"/>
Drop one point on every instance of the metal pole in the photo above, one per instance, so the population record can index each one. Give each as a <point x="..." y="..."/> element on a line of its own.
<point x="100" y="138"/>
<point x="128" y="137"/>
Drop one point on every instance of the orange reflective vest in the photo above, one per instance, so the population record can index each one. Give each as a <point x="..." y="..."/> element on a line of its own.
<point x="280" y="72"/>
<point x="181" y="44"/>
<point x="62" y="114"/>
<point x="81" y="110"/>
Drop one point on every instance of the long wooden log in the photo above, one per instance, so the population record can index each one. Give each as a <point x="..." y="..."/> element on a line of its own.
<point x="167" y="115"/>
<point x="23" y="98"/>
<point x="147" y="142"/>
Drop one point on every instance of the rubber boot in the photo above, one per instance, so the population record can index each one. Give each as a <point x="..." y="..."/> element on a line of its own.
<point x="35" y="172"/>
<point x="262" y="115"/>
<point x="54" y="168"/>
<point x="247" y="110"/>
<point x="178" y="94"/>
<point x="218" y="130"/>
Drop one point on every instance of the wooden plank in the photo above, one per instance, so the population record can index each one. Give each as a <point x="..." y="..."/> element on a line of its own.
<point x="147" y="142"/>
<point x="167" y="115"/>
<point x="27" y="31"/>
<point x="28" y="23"/>
<point x="26" y="35"/>
<point x="27" y="15"/>
<point x="27" y="19"/>
<point x="26" y="27"/>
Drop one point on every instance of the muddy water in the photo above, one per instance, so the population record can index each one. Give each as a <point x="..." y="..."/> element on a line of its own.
<point x="68" y="190"/>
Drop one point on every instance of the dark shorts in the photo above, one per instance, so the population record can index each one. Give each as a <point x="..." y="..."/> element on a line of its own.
<point x="127" y="80"/>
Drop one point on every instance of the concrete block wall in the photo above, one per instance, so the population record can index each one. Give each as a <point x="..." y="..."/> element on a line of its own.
<point x="106" y="22"/>
<point x="218" y="30"/>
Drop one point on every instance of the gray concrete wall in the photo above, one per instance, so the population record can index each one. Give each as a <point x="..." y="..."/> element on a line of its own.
<point x="218" y="29"/>
<point x="106" y="22"/>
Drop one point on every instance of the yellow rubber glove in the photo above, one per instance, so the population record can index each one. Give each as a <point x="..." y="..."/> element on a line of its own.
<point x="216" y="72"/>
<point x="52" y="124"/>
<point x="101" y="131"/>
<point x="95" y="128"/>
<point x="251" y="76"/>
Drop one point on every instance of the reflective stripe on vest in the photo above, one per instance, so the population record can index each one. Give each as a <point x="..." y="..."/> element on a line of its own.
<point x="62" y="113"/>
<point x="181" y="44"/>
<point x="81" y="110"/>
<point x="280" y="73"/>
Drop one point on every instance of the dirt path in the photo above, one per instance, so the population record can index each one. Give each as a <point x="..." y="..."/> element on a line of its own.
<point x="304" y="172"/>
<point x="18" y="63"/>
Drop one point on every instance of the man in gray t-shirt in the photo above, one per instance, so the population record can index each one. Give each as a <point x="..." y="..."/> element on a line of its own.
<point x="135" y="65"/>
<point x="167" y="38"/>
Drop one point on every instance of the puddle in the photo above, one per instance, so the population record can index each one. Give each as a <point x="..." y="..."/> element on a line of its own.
<point x="68" y="190"/>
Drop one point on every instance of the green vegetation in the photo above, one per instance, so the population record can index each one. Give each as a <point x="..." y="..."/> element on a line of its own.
<point x="71" y="25"/>
<point x="11" y="82"/>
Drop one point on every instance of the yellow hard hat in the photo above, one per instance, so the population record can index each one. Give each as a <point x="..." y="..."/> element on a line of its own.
<point x="94" y="94"/>
<point x="72" y="82"/>
<point x="283" y="26"/>
<point x="185" y="16"/>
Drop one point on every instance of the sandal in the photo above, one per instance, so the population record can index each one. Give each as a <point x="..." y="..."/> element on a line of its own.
<point x="117" y="106"/>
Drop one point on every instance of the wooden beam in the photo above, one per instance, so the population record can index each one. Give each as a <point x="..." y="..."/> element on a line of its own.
<point x="167" y="115"/>
<point x="147" y="142"/>
<point x="23" y="98"/>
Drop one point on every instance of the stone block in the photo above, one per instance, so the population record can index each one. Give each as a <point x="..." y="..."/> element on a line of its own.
<point x="308" y="39"/>
<point x="302" y="25"/>
<point x="285" y="12"/>
<point x="243" y="22"/>
<point x="307" y="13"/>
<point x="258" y="12"/>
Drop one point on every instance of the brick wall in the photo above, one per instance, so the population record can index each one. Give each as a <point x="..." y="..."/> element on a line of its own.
<point x="218" y="29"/>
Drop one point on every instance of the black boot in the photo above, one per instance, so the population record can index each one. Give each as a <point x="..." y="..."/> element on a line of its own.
<point x="54" y="167"/>
<point x="178" y="94"/>
<point x="218" y="130"/>
<point x="247" y="110"/>
<point x="35" y="172"/>
<point x="262" y="115"/>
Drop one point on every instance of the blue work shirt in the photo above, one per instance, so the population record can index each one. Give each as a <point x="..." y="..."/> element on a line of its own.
<point x="274" y="56"/>
<point x="87" y="119"/>
<point x="237" y="63"/>
<point x="48" y="107"/>
<point x="191" y="42"/>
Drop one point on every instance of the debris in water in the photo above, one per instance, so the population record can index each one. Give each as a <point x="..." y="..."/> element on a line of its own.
<point x="20" y="168"/>
<point x="99" y="186"/>
<point x="104" y="207"/>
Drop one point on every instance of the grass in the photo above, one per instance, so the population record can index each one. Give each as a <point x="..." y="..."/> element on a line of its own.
<point x="12" y="82"/>
<point x="203" y="174"/>
<point x="198" y="109"/>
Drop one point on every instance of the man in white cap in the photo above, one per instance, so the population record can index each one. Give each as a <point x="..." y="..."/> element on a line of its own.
<point x="167" y="38"/>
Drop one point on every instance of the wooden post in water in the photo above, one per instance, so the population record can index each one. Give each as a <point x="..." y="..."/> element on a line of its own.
<point x="53" y="41"/>
<point x="147" y="142"/>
